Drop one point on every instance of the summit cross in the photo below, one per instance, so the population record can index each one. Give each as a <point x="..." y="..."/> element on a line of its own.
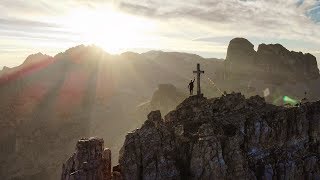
<point x="198" y="72"/>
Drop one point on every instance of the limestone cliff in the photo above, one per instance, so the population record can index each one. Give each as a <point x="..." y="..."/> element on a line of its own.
<point x="240" y="50"/>
<point x="270" y="60"/>
<point x="225" y="138"/>
<point x="276" y="58"/>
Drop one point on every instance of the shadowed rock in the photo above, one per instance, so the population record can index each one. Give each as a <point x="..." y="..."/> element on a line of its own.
<point x="90" y="162"/>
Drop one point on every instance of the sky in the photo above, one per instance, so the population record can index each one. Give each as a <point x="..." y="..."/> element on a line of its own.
<point x="203" y="27"/>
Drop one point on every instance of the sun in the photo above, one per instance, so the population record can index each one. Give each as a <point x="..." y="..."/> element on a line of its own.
<point x="108" y="28"/>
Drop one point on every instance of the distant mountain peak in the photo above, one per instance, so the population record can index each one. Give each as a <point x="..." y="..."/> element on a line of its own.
<point x="5" y="68"/>
<point x="80" y="50"/>
<point x="129" y="53"/>
<point x="155" y="54"/>
<point x="152" y="54"/>
<point x="36" y="58"/>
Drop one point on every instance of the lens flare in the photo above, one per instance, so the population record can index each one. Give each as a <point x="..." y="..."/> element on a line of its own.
<point x="287" y="99"/>
<point x="108" y="28"/>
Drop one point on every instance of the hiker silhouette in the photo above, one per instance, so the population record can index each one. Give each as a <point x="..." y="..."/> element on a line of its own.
<point x="190" y="86"/>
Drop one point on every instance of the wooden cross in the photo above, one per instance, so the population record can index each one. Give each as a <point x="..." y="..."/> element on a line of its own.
<point x="198" y="72"/>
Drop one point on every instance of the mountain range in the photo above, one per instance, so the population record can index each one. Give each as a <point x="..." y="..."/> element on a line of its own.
<point x="48" y="103"/>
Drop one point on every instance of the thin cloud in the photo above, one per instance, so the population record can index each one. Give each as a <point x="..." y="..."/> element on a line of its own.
<point x="34" y="30"/>
<point x="274" y="18"/>
<point x="25" y="23"/>
<point x="314" y="13"/>
<point x="140" y="9"/>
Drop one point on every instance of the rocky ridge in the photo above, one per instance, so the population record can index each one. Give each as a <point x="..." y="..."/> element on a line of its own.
<point x="229" y="137"/>
<point x="224" y="138"/>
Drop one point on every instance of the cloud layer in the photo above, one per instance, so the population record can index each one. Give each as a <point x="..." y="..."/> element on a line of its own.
<point x="277" y="18"/>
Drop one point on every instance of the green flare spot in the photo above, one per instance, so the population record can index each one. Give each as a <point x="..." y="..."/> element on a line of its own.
<point x="289" y="100"/>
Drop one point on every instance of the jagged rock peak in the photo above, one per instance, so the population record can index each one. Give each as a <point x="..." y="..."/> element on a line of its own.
<point x="82" y="51"/>
<point x="271" y="47"/>
<point x="90" y="161"/>
<point x="36" y="58"/>
<point x="270" y="59"/>
<point x="154" y="116"/>
<point x="5" y="68"/>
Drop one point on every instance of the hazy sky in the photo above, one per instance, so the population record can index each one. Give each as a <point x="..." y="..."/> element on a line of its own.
<point x="204" y="27"/>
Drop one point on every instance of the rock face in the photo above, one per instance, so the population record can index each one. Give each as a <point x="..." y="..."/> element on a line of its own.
<point x="272" y="59"/>
<point x="240" y="50"/>
<point x="277" y="58"/>
<point x="225" y="138"/>
<point x="149" y="153"/>
<point x="90" y="162"/>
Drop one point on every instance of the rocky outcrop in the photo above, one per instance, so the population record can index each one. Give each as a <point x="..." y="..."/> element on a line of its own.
<point x="90" y="162"/>
<point x="4" y="70"/>
<point x="225" y="138"/>
<point x="36" y="58"/>
<point x="165" y="98"/>
<point x="167" y="94"/>
<point x="272" y="59"/>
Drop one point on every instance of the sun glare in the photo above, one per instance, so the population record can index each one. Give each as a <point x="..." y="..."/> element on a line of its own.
<point x="108" y="28"/>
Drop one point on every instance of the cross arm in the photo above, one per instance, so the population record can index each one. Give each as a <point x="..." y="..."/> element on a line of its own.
<point x="198" y="71"/>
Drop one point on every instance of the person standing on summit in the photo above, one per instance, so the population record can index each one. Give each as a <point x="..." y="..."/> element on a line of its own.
<point x="190" y="86"/>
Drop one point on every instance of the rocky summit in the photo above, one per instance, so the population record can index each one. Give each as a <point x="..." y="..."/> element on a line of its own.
<point x="229" y="137"/>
